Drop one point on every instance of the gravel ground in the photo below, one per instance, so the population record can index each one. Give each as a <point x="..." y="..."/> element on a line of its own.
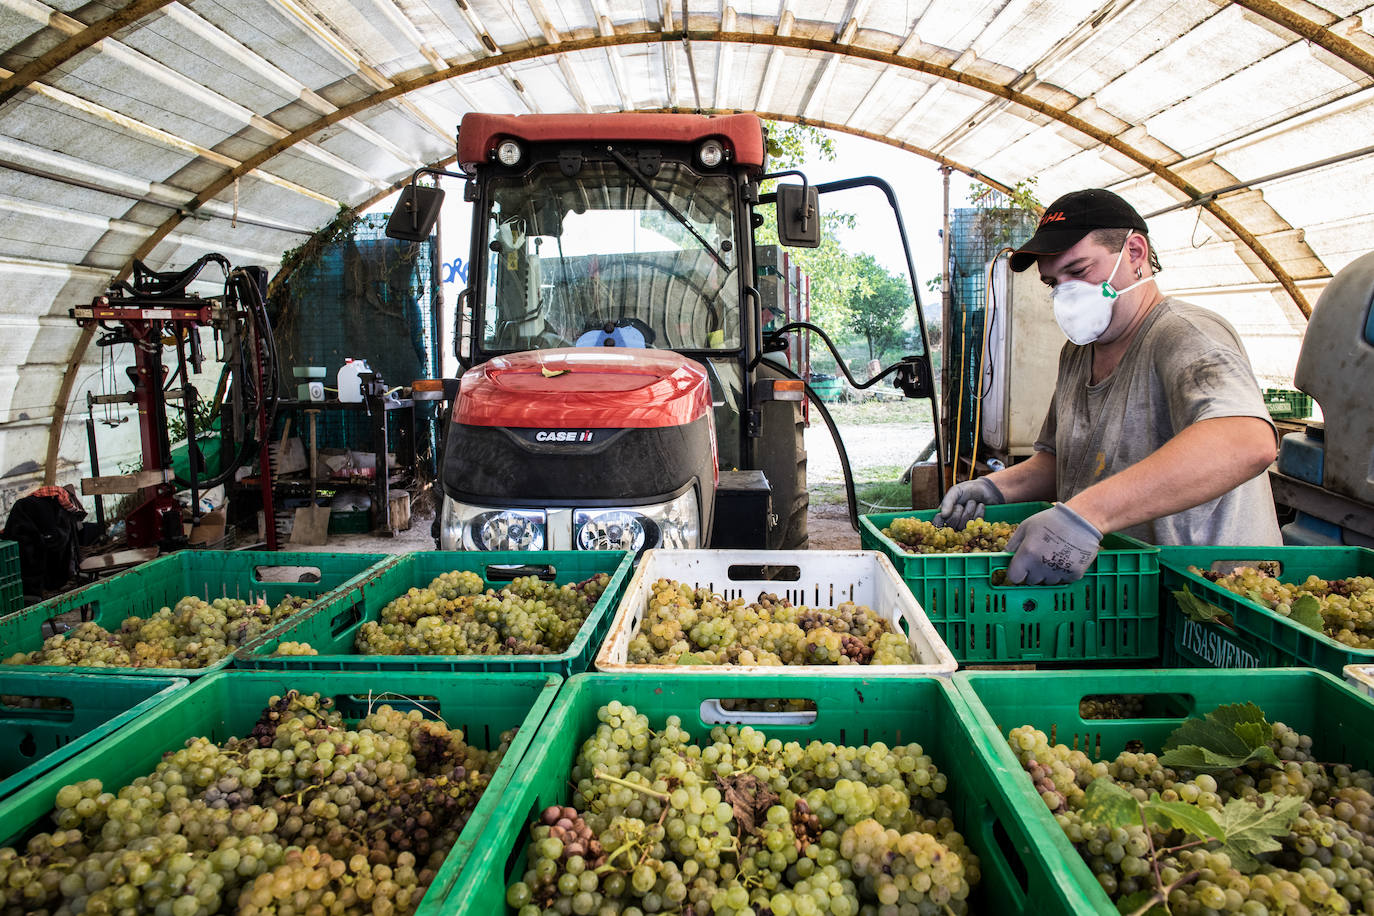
<point x="880" y="446"/>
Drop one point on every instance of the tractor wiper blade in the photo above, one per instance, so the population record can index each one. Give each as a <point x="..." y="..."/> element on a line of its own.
<point x="643" y="182"/>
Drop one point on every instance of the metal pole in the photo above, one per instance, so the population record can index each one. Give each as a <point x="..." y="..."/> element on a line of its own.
<point x="947" y="322"/>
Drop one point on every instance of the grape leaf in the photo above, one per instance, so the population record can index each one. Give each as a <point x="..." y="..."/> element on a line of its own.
<point x="1238" y="714"/>
<point x="1109" y="805"/>
<point x="1193" y="757"/>
<point x="1229" y="737"/>
<point x="1189" y="818"/>
<point x="1199" y="611"/>
<point x="1250" y="828"/>
<point x="1307" y="611"/>
<point x="1208" y="733"/>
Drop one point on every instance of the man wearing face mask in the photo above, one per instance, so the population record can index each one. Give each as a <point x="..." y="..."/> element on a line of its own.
<point x="1157" y="428"/>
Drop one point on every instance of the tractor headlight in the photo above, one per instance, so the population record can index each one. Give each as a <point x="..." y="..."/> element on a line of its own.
<point x="710" y="153"/>
<point x="465" y="527"/>
<point x="508" y="152"/>
<point x="674" y="524"/>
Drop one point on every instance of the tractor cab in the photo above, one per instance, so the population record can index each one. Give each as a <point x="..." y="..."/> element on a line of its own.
<point x="618" y="392"/>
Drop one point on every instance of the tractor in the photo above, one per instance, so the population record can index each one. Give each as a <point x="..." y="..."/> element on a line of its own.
<point x="619" y="388"/>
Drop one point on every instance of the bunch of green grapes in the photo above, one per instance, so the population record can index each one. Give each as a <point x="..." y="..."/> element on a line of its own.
<point x="1324" y="864"/>
<point x="978" y="536"/>
<point x="741" y="823"/>
<point x="695" y="626"/>
<point x="1346" y="605"/>
<point x="454" y="616"/>
<point x="306" y="814"/>
<point x="1112" y="706"/>
<point x="194" y="633"/>
<point x="295" y="648"/>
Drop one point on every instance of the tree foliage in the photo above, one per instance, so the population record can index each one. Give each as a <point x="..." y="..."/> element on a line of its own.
<point x="878" y="314"/>
<point x="791" y="145"/>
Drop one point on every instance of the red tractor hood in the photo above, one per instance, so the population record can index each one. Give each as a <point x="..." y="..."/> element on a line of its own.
<point x="584" y="387"/>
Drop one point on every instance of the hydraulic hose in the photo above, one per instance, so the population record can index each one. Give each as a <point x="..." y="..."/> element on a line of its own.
<point x="850" y="498"/>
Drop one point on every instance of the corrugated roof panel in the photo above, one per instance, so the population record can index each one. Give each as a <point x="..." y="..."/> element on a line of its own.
<point x="376" y="30"/>
<point x="44" y="123"/>
<point x="156" y="98"/>
<point x="264" y="197"/>
<point x="547" y="84"/>
<point x="396" y="127"/>
<point x="1090" y="58"/>
<point x="171" y="41"/>
<point x="442" y="27"/>
<point x="1227" y="43"/>
<point x="799" y="73"/>
<point x="1342" y="127"/>
<point x="1022" y="32"/>
<point x="1287" y="81"/>
<point x="279" y="38"/>
<point x="14" y="31"/>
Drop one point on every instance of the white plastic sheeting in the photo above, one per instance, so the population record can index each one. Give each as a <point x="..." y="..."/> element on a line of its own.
<point x="149" y="135"/>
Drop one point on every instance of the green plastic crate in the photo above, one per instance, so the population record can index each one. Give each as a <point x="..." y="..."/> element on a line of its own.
<point x="144" y="590"/>
<point x="11" y="594"/>
<point x="1282" y="641"/>
<point x="350" y="521"/>
<point x="1111" y="614"/>
<point x="38" y="736"/>
<point x="9" y="560"/>
<point x="851" y="710"/>
<point x="1287" y="404"/>
<point x="1340" y="721"/>
<point x="332" y="628"/>
<point x="228" y="703"/>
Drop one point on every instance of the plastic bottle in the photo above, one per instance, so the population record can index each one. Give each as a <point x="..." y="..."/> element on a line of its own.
<point x="350" y="380"/>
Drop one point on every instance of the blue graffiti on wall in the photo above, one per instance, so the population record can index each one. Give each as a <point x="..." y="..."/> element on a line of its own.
<point x="456" y="271"/>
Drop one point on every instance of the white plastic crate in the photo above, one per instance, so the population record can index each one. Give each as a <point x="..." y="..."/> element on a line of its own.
<point x="1361" y="677"/>
<point x="813" y="578"/>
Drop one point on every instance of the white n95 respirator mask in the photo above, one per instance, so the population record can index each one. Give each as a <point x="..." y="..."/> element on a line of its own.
<point x="1084" y="310"/>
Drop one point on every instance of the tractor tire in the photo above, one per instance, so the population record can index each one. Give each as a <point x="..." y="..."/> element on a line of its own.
<point x="781" y="454"/>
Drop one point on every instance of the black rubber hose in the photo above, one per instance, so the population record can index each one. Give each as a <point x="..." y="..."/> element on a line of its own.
<point x="849" y="495"/>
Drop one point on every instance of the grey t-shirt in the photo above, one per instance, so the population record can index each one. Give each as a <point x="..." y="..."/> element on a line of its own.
<point x="1186" y="364"/>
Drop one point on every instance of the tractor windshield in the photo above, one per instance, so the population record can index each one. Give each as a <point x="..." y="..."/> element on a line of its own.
<point x="596" y="257"/>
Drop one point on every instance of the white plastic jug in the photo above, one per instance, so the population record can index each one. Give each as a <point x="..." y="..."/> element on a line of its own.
<point x="350" y="380"/>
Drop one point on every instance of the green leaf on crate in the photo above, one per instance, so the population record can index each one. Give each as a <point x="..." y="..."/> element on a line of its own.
<point x="1250" y="828"/>
<point x="1307" y="611"/>
<point x="1109" y="805"/>
<point x="1182" y="816"/>
<point x="1229" y="737"/>
<point x="1199" y="611"/>
<point x="1131" y="904"/>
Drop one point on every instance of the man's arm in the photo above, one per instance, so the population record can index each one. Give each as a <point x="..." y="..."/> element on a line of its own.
<point x="1032" y="479"/>
<point x="1199" y="464"/>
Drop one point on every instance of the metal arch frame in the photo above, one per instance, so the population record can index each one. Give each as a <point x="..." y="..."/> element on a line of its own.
<point x="1276" y="12"/>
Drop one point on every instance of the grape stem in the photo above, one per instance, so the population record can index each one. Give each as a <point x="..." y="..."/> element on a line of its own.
<point x="1161" y="895"/>
<point x="1173" y="849"/>
<point x="1154" y="857"/>
<point x="661" y="796"/>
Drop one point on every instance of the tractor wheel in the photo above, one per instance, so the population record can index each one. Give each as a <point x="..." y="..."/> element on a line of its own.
<point x="781" y="454"/>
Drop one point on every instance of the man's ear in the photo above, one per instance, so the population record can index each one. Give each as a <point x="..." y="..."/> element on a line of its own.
<point x="1138" y="251"/>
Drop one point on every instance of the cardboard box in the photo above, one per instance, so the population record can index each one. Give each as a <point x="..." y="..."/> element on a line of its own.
<point x="210" y="529"/>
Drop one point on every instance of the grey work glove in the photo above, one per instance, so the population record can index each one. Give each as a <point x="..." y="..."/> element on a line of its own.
<point x="965" y="501"/>
<point x="1052" y="547"/>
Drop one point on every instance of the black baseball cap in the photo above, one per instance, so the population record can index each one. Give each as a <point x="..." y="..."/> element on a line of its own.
<point x="1073" y="216"/>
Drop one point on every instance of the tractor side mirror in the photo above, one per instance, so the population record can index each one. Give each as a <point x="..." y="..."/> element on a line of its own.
<point x="417" y="210"/>
<point x="799" y="216"/>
